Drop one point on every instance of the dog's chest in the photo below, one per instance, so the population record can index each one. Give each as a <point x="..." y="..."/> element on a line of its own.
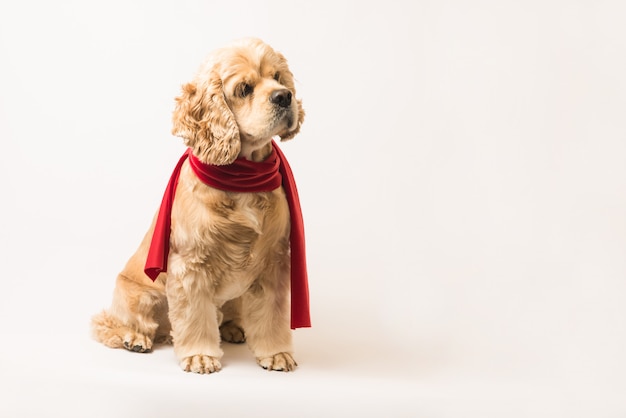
<point x="230" y="238"/>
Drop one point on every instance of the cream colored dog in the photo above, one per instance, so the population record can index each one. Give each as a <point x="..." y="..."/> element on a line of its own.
<point x="229" y="264"/>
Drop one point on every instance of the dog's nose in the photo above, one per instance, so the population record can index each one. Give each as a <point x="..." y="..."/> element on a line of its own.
<point x="281" y="97"/>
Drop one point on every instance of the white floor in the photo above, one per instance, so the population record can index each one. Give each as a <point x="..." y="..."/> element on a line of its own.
<point x="463" y="182"/>
<point x="68" y="375"/>
<point x="350" y="364"/>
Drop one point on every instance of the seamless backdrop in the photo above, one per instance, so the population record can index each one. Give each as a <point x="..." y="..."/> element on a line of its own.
<point x="463" y="181"/>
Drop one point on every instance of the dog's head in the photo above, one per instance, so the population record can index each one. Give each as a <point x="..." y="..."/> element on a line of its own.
<point x="242" y="96"/>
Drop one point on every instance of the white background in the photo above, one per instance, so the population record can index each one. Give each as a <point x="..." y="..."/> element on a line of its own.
<point x="462" y="170"/>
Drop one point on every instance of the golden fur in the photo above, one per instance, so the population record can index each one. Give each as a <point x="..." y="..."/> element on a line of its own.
<point x="229" y="264"/>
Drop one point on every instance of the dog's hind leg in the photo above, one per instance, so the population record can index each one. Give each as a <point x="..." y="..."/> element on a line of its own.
<point x="137" y="316"/>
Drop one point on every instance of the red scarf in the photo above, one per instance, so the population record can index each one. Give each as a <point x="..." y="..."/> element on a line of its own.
<point x="241" y="176"/>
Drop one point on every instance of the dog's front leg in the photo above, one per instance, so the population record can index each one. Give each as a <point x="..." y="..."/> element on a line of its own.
<point x="266" y="320"/>
<point x="195" y="322"/>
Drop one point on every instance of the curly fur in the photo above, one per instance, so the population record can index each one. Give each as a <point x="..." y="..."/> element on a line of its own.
<point x="229" y="264"/>
<point x="206" y="123"/>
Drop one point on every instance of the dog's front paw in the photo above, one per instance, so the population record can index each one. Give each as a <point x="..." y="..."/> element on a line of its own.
<point x="283" y="362"/>
<point x="200" y="364"/>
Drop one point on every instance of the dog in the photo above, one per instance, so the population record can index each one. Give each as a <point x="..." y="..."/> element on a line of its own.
<point x="228" y="255"/>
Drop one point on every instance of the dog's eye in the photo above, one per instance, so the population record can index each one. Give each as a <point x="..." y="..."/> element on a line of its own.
<point x="277" y="76"/>
<point x="245" y="90"/>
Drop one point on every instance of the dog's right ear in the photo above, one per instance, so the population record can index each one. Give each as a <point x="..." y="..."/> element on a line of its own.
<point x="205" y="122"/>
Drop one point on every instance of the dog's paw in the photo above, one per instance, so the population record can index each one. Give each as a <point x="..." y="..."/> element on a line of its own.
<point x="283" y="362"/>
<point x="200" y="364"/>
<point x="232" y="333"/>
<point x="138" y="343"/>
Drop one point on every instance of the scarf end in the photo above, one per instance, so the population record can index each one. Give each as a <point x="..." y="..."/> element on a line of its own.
<point x="153" y="272"/>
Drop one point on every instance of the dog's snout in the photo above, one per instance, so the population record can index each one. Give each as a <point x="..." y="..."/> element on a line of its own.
<point x="281" y="97"/>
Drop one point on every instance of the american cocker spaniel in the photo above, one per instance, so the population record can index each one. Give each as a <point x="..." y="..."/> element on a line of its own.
<point x="223" y="259"/>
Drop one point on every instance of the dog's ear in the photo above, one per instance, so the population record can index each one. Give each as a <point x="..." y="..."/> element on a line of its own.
<point x="205" y="122"/>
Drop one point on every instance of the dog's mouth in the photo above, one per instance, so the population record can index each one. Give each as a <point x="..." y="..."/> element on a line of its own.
<point x="285" y="120"/>
<point x="291" y="123"/>
<point x="279" y="123"/>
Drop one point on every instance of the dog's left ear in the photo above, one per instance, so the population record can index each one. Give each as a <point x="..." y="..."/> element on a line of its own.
<point x="205" y="122"/>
